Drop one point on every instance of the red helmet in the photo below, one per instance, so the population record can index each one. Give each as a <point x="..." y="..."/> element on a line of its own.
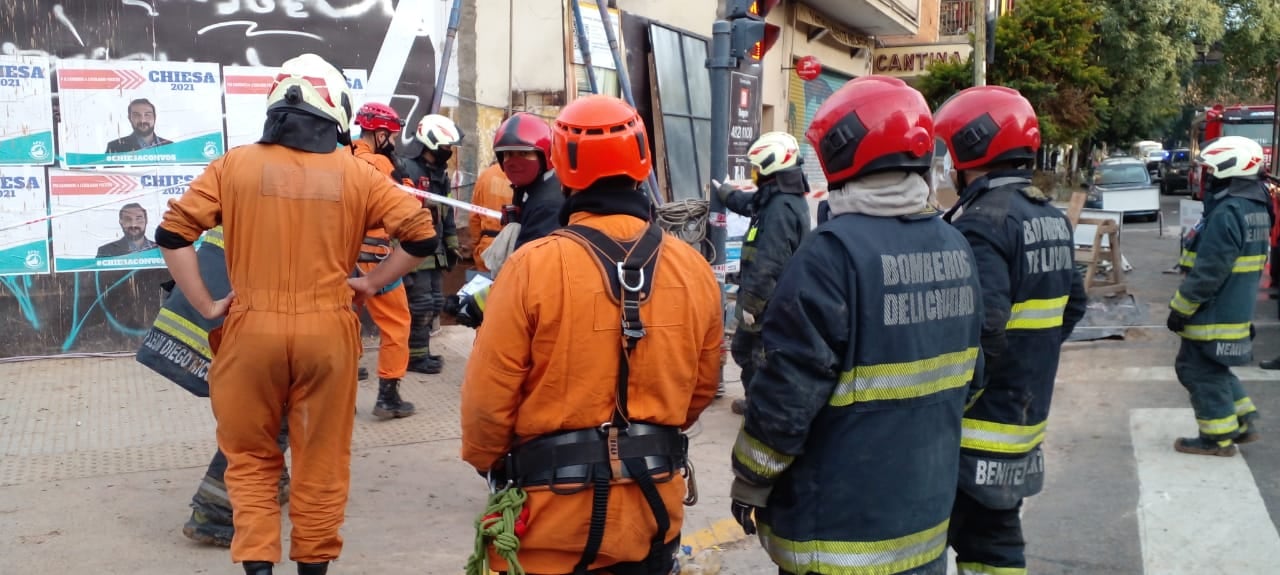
<point x="523" y="131"/>
<point x="872" y="124"/>
<point x="988" y="124"/>
<point x="597" y="137"/>
<point x="375" y="116"/>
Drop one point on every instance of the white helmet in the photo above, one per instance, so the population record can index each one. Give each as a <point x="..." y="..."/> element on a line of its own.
<point x="435" y="130"/>
<point x="312" y="85"/>
<point x="1231" y="157"/>
<point x="774" y="152"/>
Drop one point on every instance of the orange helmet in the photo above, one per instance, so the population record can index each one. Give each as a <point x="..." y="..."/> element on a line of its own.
<point x="597" y="137"/>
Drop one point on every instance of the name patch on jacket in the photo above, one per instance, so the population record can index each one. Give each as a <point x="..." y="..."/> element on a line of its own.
<point x="1259" y="229"/>
<point x="927" y="301"/>
<point x="1049" y="258"/>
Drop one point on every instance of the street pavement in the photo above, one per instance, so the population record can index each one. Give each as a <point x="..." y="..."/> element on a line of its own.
<point x="99" y="458"/>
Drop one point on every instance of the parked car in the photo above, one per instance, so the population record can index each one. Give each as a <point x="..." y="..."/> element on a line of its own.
<point x="1124" y="185"/>
<point x="1153" y="159"/>
<point x="1174" y="172"/>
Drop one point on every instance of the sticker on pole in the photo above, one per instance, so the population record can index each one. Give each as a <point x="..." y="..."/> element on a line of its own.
<point x="24" y="241"/>
<point x="26" y="111"/>
<point x="245" y="89"/>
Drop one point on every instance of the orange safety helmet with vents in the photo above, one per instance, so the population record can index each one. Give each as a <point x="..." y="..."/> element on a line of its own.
<point x="872" y="124"/>
<point x="597" y="137"/>
<point x="983" y="125"/>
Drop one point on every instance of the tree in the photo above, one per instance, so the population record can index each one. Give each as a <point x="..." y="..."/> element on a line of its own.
<point x="1149" y="48"/>
<point x="1250" y="50"/>
<point x="1043" y="50"/>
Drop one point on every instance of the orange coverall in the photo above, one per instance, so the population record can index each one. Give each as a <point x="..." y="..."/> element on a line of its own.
<point x="292" y="223"/>
<point x="389" y="310"/>
<point x="493" y="190"/>
<point x="546" y="360"/>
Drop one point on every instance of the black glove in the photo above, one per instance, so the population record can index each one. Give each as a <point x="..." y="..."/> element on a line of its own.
<point x="464" y="310"/>
<point x="1177" y="321"/>
<point x="742" y="514"/>
<point x="1253" y="333"/>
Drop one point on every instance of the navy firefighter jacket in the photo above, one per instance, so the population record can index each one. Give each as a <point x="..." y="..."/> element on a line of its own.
<point x="871" y="342"/>
<point x="1032" y="298"/>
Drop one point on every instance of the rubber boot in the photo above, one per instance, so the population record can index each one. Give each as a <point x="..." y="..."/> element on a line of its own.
<point x="427" y="364"/>
<point x="389" y="404"/>
<point x="1248" y="429"/>
<point x="1273" y="363"/>
<point x="257" y="567"/>
<point x="313" y="568"/>
<point x="1204" y="446"/>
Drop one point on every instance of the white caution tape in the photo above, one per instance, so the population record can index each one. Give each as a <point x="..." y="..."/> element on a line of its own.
<point x="115" y="200"/>
<point x="452" y="202"/>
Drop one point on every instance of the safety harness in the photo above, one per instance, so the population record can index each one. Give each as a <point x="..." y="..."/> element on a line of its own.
<point x="618" y="450"/>
<point x="374" y="250"/>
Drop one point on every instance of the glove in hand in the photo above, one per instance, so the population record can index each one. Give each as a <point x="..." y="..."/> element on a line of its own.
<point x="1177" y="321"/>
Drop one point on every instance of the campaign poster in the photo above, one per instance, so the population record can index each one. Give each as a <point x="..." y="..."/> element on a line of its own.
<point x="24" y="249"/>
<point x="26" y="111"/>
<point x="246" y="89"/>
<point x="106" y="219"/>
<point x="139" y="113"/>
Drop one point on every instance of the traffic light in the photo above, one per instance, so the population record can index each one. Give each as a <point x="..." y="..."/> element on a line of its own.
<point x="751" y="36"/>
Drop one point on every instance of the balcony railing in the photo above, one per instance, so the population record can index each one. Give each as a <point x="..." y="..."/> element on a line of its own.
<point x="955" y="17"/>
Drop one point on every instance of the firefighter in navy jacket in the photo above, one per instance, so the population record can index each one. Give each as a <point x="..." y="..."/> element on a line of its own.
<point x="1032" y="297"/>
<point x="850" y="446"/>
<point x="1213" y="307"/>
<point x="779" y="221"/>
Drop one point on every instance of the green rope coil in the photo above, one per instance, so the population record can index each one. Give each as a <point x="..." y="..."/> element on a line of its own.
<point x="501" y="530"/>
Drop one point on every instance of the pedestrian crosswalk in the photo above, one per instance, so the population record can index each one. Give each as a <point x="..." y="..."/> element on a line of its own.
<point x="1197" y="514"/>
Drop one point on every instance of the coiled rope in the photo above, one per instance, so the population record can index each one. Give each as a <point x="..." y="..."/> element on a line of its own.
<point x="497" y="523"/>
<point x="687" y="220"/>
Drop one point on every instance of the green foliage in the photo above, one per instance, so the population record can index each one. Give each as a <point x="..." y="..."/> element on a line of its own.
<point x="1149" y="47"/>
<point x="1043" y="51"/>
<point x="1250" y="52"/>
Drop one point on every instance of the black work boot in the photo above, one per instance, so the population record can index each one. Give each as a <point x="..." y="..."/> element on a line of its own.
<point x="257" y="567"/>
<point x="1248" y="429"/>
<point x="426" y="364"/>
<point x="389" y="404"/>
<point x="1205" y="446"/>
<point x="204" y="529"/>
<point x="1273" y="363"/>
<point x="313" y="568"/>
<point x="362" y="374"/>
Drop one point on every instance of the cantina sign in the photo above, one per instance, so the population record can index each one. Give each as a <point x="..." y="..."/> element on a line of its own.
<point x="915" y="60"/>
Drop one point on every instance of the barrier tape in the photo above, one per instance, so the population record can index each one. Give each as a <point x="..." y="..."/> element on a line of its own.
<point x="419" y="193"/>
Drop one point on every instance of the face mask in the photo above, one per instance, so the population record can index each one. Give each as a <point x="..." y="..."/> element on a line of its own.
<point x="384" y="144"/>
<point x="521" y="171"/>
<point x="442" y="155"/>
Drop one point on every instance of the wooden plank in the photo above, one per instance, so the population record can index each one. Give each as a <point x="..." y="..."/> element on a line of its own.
<point x="1078" y="199"/>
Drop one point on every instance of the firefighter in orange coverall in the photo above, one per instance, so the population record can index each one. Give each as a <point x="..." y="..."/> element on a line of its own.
<point x="389" y="309"/>
<point x="548" y="370"/>
<point x="294" y="208"/>
<point x="493" y="190"/>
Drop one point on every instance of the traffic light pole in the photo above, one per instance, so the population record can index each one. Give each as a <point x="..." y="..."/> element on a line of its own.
<point x="720" y="64"/>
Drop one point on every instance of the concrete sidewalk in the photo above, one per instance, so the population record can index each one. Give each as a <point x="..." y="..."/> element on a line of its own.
<point x="99" y="459"/>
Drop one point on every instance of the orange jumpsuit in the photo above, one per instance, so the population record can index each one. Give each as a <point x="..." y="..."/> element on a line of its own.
<point x="546" y="360"/>
<point x="493" y="190"/>
<point x="390" y="309"/>
<point x="292" y="223"/>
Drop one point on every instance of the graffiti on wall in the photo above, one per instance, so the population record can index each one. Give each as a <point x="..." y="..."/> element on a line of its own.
<point x="396" y="41"/>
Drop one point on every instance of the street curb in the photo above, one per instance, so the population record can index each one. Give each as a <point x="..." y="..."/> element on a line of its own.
<point x="721" y="532"/>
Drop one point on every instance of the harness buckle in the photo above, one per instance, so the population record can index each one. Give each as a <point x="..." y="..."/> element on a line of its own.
<point x="622" y="279"/>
